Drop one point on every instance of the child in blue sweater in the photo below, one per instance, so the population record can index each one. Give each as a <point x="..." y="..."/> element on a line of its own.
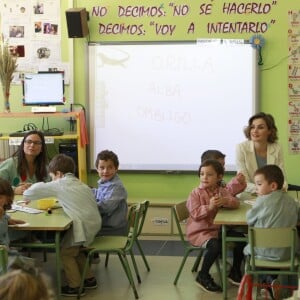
<point x="111" y="195"/>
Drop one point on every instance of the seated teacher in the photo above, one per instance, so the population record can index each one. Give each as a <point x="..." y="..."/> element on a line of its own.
<point x="260" y="149"/>
<point x="28" y="164"/>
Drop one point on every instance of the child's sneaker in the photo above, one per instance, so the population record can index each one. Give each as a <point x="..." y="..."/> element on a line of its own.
<point x="207" y="283"/>
<point x="275" y="287"/>
<point x="265" y="294"/>
<point x="68" y="291"/>
<point x="90" y="283"/>
<point x="235" y="277"/>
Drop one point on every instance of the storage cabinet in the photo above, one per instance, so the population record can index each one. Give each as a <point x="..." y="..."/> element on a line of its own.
<point x="76" y="135"/>
<point x="159" y="219"/>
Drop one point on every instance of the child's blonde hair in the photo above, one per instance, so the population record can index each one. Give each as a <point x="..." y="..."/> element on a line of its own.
<point x="19" y="284"/>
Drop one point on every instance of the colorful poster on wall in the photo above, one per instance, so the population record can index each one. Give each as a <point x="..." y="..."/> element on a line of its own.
<point x="294" y="82"/>
<point x="33" y="30"/>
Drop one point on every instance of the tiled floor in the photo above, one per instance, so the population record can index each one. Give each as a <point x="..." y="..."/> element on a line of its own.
<point x="156" y="284"/>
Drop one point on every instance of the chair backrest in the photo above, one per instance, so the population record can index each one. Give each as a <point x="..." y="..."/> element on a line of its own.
<point x="284" y="237"/>
<point x="134" y="217"/>
<point x="180" y="213"/>
<point x="143" y="212"/>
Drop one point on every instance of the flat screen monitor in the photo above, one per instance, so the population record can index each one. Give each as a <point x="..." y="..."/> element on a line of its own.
<point x="43" y="89"/>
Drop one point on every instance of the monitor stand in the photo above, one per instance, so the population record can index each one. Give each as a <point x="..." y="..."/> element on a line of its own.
<point x="43" y="109"/>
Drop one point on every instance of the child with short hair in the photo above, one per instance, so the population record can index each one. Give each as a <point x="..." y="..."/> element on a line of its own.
<point x="203" y="204"/>
<point x="111" y="195"/>
<point x="79" y="204"/>
<point x="273" y="208"/>
<point x="238" y="183"/>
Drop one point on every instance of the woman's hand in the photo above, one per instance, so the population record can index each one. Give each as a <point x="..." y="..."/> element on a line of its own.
<point x="15" y="221"/>
<point x="19" y="190"/>
<point x="240" y="177"/>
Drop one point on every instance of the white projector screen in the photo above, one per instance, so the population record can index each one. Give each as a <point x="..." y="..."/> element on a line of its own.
<point x="159" y="106"/>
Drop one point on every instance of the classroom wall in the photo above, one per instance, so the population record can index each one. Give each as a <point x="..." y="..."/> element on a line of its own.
<point x="272" y="74"/>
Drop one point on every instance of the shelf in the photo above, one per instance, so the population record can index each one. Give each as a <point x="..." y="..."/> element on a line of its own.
<point x="65" y="136"/>
<point x="37" y="115"/>
<point x="81" y="149"/>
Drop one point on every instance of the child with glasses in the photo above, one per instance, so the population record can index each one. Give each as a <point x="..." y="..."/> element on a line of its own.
<point x="28" y="164"/>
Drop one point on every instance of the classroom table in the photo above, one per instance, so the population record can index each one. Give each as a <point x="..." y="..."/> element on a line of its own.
<point x="230" y="217"/>
<point x="56" y="222"/>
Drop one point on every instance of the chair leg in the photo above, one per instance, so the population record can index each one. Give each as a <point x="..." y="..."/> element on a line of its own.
<point x="197" y="262"/>
<point x="87" y="262"/>
<point x="135" y="267"/>
<point x="219" y="271"/>
<point x="106" y="259"/>
<point x="45" y="241"/>
<point x="143" y="255"/>
<point x="180" y="268"/>
<point x="123" y="265"/>
<point x="3" y="260"/>
<point x="254" y="286"/>
<point x="127" y="270"/>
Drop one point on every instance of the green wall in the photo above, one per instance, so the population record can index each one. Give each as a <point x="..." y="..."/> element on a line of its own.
<point x="157" y="187"/>
<point x="273" y="95"/>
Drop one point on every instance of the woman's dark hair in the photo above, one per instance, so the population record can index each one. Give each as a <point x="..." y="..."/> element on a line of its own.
<point x="217" y="166"/>
<point x="6" y="190"/>
<point x="107" y="155"/>
<point x="272" y="138"/>
<point x="41" y="160"/>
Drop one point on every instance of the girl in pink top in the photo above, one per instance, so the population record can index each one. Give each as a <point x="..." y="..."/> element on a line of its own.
<point x="203" y="204"/>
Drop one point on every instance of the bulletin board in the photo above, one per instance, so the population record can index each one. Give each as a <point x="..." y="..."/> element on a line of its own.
<point x="34" y="30"/>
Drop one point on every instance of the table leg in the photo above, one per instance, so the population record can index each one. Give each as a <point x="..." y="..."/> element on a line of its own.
<point x="224" y="262"/>
<point x="57" y="257"/>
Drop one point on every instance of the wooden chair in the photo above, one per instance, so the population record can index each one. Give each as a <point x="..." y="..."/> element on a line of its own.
<point x="271" y="238"/>
<point x="120" y="245"/>
<point x="181" y="214"/>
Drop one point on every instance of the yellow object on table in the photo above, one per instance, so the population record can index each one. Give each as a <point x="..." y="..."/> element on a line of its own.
<point x="46" y="203"/>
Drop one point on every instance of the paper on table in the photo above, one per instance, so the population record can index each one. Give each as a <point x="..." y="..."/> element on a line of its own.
<point x="250" y="202"/>
<point x="19" y="225"/>
<point x="26" y="209"/>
